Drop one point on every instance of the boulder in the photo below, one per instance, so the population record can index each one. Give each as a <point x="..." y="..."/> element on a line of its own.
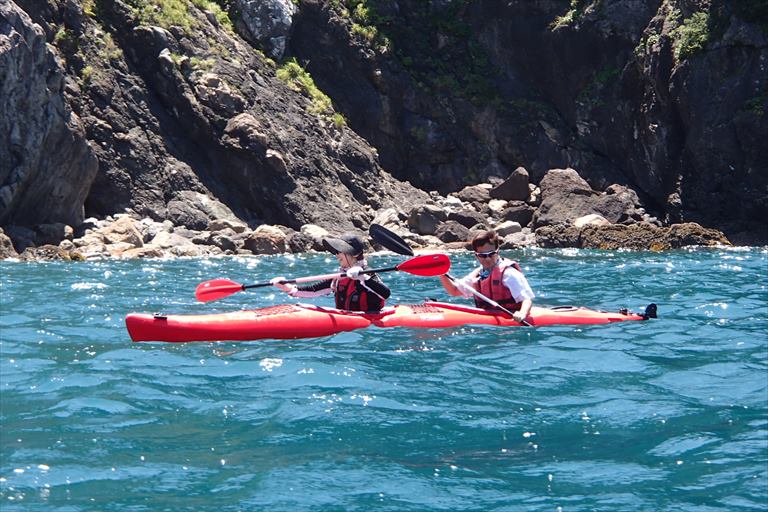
<point x="142" y="252"/>
<point x="122" y="230"/>
<point x="591" y="219"/>
<point x="316" y="234"/>
<point x="166" y="240"/>
<point x="186" y="214"/>
<point x="388" y="217"/>
<point x="298" y="242"/>
<point x="517" y="211"/>
<point x="266" y="240"/>
<point x="195" y="210"/>
<point x="424" y="219"/>
<point x="224" y="240"/>
<point x="474" y="194"/>
<point x="496" y="206"/>
<point x="514" y="188"/>
<point x="6" y="247"/>
<point x="451" y="231"/>
<point x="565" y="197"/>
<point x="467" y="217"/>
<point x="508" y="227"/>
<point x="222" y="224"/>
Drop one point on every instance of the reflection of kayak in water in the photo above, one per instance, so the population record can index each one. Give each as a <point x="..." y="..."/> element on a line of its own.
<point x="293" y="321"/>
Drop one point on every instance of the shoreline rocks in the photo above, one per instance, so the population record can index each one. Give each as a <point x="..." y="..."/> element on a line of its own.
<point x="563" y="211"/>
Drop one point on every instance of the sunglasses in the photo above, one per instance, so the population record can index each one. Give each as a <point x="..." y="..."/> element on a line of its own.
<point x="486" y="254"/>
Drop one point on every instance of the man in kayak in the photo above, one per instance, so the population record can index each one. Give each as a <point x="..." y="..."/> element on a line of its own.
<point x="497" y="278"/>
<point x="354" y="290"/>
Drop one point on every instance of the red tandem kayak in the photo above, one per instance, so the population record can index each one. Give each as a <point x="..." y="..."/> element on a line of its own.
<point x="293" y="321"/>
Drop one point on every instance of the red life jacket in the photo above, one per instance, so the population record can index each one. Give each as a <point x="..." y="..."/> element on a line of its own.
<point x="493" y="287"/>
<point x="353" y="296"/>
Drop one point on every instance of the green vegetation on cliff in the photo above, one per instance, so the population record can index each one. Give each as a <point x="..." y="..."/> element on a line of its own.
<point x="299" y="80"/>
<point x="432" y="42"/>
<point x="167" y="13"/>
<point x="691" y="36"/>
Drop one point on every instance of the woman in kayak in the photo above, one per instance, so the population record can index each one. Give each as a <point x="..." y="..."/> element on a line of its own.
<point x="354" y="290"/>
<point x="497" y="278"/>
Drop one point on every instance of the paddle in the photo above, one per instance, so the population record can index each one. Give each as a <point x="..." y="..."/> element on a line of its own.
<point x="395" y="243"/>
<point x="424" y="265"/>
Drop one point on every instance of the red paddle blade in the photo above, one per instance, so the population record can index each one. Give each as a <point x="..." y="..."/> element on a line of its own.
<point x="427" y="265"/>
<point x="216" y="289"/>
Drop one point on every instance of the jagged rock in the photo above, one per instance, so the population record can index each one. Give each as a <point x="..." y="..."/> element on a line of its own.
<point x="222" y="224"/>
<point x="497" y="206"/>
<point x="122" y="230"/>
<point x="298" y="242"/>
<point x="244" y="131"/>
<point x="514" y="188"/>
<point x="224" y="240"/>
<point x="566" y="197"/>
<point x="534" y="199"/>
<point x="46" y="165"/>
<point x="166" y="240"/>
<point x="517" y="211"/>
<point x="451" y="231"/>
<point x="266" y="239"/>
<point x="424" y="219"/>
<point x="640" y="236"/>
<point x="6" y="247"/>
<point x="117" y="249"/>
<point x="388" y="217"/>
<point x="452" y="203"/>
<point x="268" y="22"/>
<point x="507" y="227"/>
<point x="316" y="234"/>
<point x="467" y="217"/>
<point x="187" y="214"/>
<point x="474" y="194"/>
<point x="519" y="239"/>
<point x="195" y="210"/>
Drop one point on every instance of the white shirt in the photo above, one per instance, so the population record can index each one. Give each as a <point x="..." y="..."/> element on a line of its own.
<point x="513" y="279"/>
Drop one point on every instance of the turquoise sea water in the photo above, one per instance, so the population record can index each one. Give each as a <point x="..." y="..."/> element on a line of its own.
<point x="669" y="414"/>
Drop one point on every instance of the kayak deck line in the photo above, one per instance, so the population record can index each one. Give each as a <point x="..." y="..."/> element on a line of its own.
<point x="295" y="321"/>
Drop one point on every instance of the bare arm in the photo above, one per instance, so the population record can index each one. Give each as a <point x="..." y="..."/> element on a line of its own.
<point x="525" y="309"/>
<point x="451" y="288"/>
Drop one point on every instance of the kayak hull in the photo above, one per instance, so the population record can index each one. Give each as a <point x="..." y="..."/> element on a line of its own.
<point x="442" y="314"/>
<point x="294" y="321"/>
<point x="286" y="321"/>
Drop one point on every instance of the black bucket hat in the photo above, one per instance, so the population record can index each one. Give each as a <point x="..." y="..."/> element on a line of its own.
<point x="345" y="244"/>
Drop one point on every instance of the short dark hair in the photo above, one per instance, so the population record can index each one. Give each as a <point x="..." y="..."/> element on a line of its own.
<point x="485" y="237"/>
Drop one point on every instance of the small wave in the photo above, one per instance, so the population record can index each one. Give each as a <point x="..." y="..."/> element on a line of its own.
<point x="88" y="286"/>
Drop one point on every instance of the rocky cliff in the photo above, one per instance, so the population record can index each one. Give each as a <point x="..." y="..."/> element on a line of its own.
<point x="155" y="105"/>
<point x="668" y="97"/>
